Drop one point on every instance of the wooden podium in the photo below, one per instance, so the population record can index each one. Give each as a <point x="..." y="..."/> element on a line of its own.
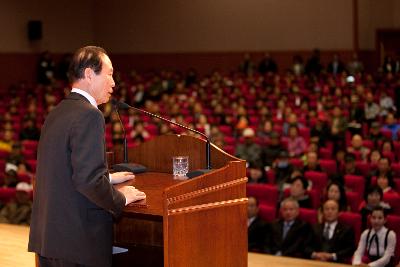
<point x="188" y="222"/>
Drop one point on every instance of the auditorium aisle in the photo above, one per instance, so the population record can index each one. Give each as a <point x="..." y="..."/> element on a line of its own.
<point x="14" y="240"/>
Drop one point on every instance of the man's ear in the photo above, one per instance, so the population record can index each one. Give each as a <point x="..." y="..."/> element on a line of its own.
<point x="88" y="73"/>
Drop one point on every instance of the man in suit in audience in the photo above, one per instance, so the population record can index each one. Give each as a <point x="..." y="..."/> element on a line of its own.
<point x="256" y="227"/>
<point x="332" y="240"/>
<point x="288" y="236"/>
<point x="74" y="200"/>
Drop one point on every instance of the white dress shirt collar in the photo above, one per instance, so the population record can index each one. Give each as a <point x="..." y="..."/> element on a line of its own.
<point x="86" y="95"/>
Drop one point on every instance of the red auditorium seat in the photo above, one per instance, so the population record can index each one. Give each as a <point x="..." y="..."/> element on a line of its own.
<point x="394" y="201"/>
<point x="267" y="212"/>
<point x="368" y="143"/>
<point x="152" y="129"/>
<point x="386" y="134"/>
<point x="32" y="164"/>
<point x="325" y="153"/>
<point x="225" y="129"/>
<point x="29" y="154"/>
<point x="229" y="140"/>
<point x="308" y="215"/>
<point x="319" y="179"/>
<point x="4" y="154"/>
<point x="389" y="155"/>
<point x="396" y="145"/>
<point x="354" y="220"/>
<point x="396" y="168"/>
<point x="229" y="149"/>
<point x="355" y="183"/>
<point x="30" y="145"/>
<point x="265" y="193"/>
<point x="6" y="194"/>
<point x="393" y="223"/>
<point x="363" y="167"/>
<point x="305" y="133"/>
<point x="297" y="163"/>
<point x="24" y="178"/>
<point x="353" y="200"/>
<point x="328" y="166"/>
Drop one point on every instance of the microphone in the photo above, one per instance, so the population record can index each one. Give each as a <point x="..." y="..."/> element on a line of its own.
<point x="192" y="174"/>
<point x="126" y="166"/>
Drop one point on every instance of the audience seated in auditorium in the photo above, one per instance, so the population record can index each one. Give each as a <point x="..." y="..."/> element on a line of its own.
<point x="288" y="236"/>
<point x="15" y="157"/>
<point x="320" y="132"/>
<point x="298" y="191"/>
<point x="373" y="198"/>
<point x="256" y="227"/>
<point x="374" y="157"/>
<point x="386" y="184"/>
<point x="295" y="143"/>
<point x="336" y="66"/>
<point x="355" y="66"/>
<point x="29" y="130"/>
<point x="271" y="151"/>
<point x="332" y="240"/>
<point x="335" y="191"/>
<point x="383" y="169"/>
<point x="256" y="173"/>
<point x="7" y="141"/>
<point x="10" y="176"/>
<point x="249" y="150"/>
<point x="386" y="104"/>
<point x="312" y="163"/>
<point x="282" y="169"/>
<point x="338" y="127"/>
<point x="358" y="148"/>
<point x="267" y="65"/>
<point x="18" y="210"/>
<point x="392" y="125"/>
<point x="371" y="109"/>
<point x="375" y="134"/>
<point x="377" y="244"/>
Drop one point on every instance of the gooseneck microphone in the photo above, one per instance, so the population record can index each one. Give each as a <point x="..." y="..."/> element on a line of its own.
<point x="123" y="106"/>
<point x="126" y="166"/>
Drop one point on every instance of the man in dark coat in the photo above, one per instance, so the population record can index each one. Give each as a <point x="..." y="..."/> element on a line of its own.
<point x="332" y="240"/>
<point x="74" y="200"/>
<point x="288" y="236"/>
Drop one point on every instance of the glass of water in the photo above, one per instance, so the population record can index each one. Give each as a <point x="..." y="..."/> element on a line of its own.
<point x="180" y="165"/>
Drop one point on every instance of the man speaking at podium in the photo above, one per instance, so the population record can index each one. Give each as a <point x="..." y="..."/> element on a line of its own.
<point x="74" y="200"/>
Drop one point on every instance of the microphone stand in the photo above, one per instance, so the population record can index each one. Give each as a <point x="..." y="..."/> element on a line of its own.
<point x="192" y="174"/>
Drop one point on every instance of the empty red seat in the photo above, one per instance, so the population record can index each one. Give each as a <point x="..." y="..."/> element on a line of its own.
<point x="265" y="193"/>
<point x="353" y="200"/>
<point x="319" y="179"/>
<point x="30" y="145"/>
<point x="363" y="167"/>
<point x="308" y="215"/>
<point x="389" y="155"/>
<point x="325" y="153"/>
<point x="267" y="212"/>
<point x="354" y="220"/>
<point x="355" y="183"/>
<point x="328" y="166"/>
<point x="396" y="168"/>
<point x="6" y="194"/>
<point x="394" y="201"/>
<point x="297" y="163"/>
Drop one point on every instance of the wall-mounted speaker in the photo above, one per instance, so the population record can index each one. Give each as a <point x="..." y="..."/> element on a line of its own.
<point x="34" y="30"/>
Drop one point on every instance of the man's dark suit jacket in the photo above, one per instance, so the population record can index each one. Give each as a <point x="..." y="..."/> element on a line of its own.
<point x="257" y="233"/>
<point x="295" y="241"/>
<point x="341" y="243"/>
<point x="74" y="202"/>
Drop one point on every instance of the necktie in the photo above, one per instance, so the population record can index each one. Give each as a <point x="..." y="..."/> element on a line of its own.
<point x="286" y="227"/>
<point x="326" y="231"/>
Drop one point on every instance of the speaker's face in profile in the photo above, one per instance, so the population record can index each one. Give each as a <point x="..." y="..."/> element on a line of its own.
<point x="103" y="83"/>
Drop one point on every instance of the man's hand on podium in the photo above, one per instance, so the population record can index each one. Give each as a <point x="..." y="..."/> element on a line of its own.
<point x="120" y="177"/>
<point x="131" y="194"/>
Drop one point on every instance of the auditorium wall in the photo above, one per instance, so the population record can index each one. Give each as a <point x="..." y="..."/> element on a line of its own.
<point x="179" y="34"/>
